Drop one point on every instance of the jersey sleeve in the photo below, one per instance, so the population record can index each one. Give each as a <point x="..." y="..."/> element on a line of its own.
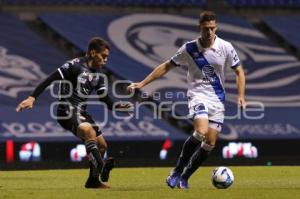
<point x="232" y="59"/>
<point x="44" y="84"/>
<point x="66" y="70"/>
<point x="180" y="57"/>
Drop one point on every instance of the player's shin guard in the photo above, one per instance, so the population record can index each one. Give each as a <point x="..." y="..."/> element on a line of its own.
<point x="187" y="151"/>
<point x="94" y="154"/>
<point x="196" y="160"/>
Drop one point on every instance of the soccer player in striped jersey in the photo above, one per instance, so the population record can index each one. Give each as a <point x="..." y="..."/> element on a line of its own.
<point x="206" y="58"/>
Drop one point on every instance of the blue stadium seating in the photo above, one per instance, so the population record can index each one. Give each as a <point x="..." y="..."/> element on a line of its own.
<point x="287" y="27"/>
<point x="264" y="3"/>
<point x="26" y="59"/>
<point x="28" y="53"/>
<point x="138" y="40"/>
<point x="143" y="3"/>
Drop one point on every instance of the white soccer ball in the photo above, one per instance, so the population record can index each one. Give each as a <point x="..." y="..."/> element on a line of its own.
<point x="222" y="177"/>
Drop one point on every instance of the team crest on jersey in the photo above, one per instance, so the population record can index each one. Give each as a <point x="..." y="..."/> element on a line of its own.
<point x="209" y="73"/>
<point x="17" y="74"/>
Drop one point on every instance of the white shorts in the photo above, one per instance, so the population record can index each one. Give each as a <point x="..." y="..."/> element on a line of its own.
<point x="214" y="112"/>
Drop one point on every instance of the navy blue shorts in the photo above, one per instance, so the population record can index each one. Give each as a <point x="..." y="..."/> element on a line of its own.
<point x="70" y="119"/>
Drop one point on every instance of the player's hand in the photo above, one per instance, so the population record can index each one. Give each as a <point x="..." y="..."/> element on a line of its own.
<point x="242" y="102"/>
<point x="131" y="88"/>
<point x="26" y="104"/>
<point x="124" y="106"/>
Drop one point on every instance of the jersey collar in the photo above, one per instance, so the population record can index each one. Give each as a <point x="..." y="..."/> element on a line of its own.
<point x="214" y="47"/>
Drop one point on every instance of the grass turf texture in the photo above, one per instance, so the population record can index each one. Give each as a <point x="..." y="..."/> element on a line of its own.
<point x="250" y="182"/>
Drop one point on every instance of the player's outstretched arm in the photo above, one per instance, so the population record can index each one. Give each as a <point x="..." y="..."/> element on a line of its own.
<point x="26" y="104"/>
<point x="241" y="84"/>
<point x="159" y="71"/>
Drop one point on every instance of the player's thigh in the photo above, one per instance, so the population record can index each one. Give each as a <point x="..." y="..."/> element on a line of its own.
<point x="85" y="131"/>
<point x="201" y="125"/>
<point x="199" y="112"/>
<point x="87" y="128"/>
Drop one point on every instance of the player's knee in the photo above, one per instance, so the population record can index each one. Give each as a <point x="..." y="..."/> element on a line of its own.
<point x="210" y="141"/>
<point x="207" y="146"/>
<point x="87" y="131"/>
<point x="199" y="135"/>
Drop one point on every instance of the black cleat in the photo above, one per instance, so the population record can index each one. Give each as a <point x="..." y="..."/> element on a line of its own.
<point x="109" y="164"/>
<point x="95" y="184"/>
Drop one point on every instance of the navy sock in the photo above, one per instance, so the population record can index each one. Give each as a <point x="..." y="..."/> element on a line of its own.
<point x="94" y="154"/>
<point x="196" y="160"/>
<point x="188" y="148"/>
<point x="94" y="173"/>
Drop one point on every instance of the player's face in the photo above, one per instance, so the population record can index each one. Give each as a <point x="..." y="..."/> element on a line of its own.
<point x="208" y="30"/>
<point x="99" y="59"/>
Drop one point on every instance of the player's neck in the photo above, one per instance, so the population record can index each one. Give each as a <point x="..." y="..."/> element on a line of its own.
<point x="207" y="43"/>
<point x="89" y="63"/>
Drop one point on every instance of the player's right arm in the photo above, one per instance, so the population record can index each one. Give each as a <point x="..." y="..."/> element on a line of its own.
<point x="178" y="59"/>
<point x="159" y="71"/>
<point x="28" y="103"/>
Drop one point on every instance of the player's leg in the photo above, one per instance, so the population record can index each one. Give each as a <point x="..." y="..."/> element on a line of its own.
<point x="191" y="144"/>
<point x="86" y="132"/>
<point x="102" y="145"/>
<point x="94" y="172"/>
<point x="109" y="163"/>
<point x="201" y="130"/>
<point x="199" y="112"/>
<point x="69" y="120"/>
<point x="200" y="155"/>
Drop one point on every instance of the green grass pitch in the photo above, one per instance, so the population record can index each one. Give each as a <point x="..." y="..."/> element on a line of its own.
<point x="129" y="183"/>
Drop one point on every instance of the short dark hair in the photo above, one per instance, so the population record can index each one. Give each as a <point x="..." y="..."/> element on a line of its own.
<point x="98" y="44"/>
<point x="207" y="16"/>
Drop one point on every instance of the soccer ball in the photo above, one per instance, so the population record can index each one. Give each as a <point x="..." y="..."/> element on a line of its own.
<point x="222" y="177"/>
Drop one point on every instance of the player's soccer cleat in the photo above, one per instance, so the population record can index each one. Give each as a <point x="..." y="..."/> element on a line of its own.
<point x="95" y="184"/>
<point x="183" y="184"/>
<point x="173" y="179"/>
<point x="108" y="166"/>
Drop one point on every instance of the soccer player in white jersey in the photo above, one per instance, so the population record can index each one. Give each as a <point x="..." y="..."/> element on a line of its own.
<point x="206" y="58"/>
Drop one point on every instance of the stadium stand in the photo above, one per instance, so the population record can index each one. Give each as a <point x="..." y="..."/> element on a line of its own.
<point x="287" y="27"/>
<point x="264" y="3"/>
<point x="143" y="3"/>
<point x="139" y="42"/>
<point x="133" y="47"/>
<point x="26" y="59"/>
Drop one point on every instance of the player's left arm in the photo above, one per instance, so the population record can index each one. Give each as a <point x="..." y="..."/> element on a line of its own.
<point x="234" y="62"/>
<point x="241" y="85"/>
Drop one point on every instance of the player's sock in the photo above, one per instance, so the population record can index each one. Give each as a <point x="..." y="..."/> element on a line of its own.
<point x="196" y="160"/>
<point x="94" y="173"/>
<point x="94" y="154"/>
<point x="187" y="151"/>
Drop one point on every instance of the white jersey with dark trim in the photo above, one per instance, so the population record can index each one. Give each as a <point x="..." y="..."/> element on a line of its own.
<point x="206" y="68"/>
